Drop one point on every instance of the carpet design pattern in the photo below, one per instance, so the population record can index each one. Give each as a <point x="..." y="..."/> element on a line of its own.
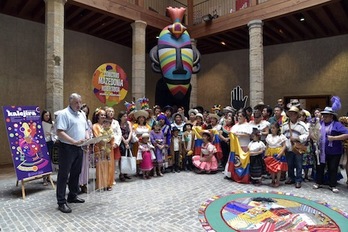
<point x="269" y="211"/>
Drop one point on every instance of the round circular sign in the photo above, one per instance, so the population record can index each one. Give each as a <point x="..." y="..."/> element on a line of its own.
<point x="110" y="84"/>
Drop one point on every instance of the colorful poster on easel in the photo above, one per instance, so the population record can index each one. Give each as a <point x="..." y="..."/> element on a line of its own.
<point x="27" y="141"/>
<point x="110" y="84"/>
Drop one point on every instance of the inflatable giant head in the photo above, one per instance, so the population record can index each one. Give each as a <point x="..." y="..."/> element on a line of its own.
<point x="174" y="56"/>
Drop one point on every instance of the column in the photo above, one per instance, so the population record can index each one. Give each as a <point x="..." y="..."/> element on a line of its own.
<point x="54" y="42"/>
<point x="138" y="59"/>
<point x="256" y="62"/>
<point x="193" y="98"/>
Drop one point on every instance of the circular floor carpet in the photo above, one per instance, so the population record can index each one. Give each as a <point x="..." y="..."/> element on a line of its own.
<point x="269" y="211"/>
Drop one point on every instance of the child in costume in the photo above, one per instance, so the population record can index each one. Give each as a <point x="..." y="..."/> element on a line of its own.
<point x="188" y="139"/>
<point x="275" y="154"/>
<point x="158" y="140"/>
<point x="256" y="147"/>
<point x="146" y="155"/>
<point x="175" y="149"/>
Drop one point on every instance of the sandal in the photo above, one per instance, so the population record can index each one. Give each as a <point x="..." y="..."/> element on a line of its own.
<point x="316" y="186"/>
<point x="334" y="190"/>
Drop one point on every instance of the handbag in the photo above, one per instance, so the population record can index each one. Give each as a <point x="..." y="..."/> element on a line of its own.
<point x="128" y="163"/>
<point x="297" y="147"/>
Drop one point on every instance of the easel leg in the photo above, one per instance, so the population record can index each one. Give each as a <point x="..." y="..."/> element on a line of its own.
<point x="53" y="186"/>
<point x="23" y="190"/>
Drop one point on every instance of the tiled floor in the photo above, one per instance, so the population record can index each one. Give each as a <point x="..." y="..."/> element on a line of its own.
<point x="168" y="203"/>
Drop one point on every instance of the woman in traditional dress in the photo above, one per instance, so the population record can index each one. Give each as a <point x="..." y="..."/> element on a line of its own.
<point x="242" y="130"/>
<point x="206" y="161"/>
<point x="103" y="152"/>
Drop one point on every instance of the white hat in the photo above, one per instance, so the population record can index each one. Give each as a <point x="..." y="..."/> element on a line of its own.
<point x="294" y="102"/>
<point x="328" y="110"/>
<point x="192" y="111"/>
<point x="145" y="135"/>
<point x="199" y="115"/>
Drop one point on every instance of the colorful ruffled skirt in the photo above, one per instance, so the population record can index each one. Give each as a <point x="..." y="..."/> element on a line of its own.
<point x="211" y="165"/>
<point x="273" y="163"/>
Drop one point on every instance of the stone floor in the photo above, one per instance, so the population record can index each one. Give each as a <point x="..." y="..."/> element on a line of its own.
<point x="168" y="203"/>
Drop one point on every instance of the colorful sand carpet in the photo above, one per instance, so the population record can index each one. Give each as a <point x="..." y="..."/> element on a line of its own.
<point x="269" y="211"/>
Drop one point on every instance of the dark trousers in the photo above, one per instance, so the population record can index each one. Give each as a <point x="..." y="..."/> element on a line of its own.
<point x="176" y="159"/>
<point x="294" y="161"/>
<point x="332" y="162"/>
<point x="188" y="162"/>
<point x="70" y="163"/>
<point x="225" y="147"/>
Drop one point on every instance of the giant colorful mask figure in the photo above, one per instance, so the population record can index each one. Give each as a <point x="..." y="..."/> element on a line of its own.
<point x="176" y="59"/>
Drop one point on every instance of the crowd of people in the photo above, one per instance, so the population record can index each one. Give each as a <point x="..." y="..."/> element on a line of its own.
<point x="285" y="143"/>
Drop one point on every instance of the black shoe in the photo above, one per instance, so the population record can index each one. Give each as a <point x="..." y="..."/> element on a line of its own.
<point x="178" y="170"/>
<point x="64" y="208"/>
<point x="127" y="177"/>
<point x="298" y="185"/>
<point x="76" y="200"/>
<point x="289" y="181"/>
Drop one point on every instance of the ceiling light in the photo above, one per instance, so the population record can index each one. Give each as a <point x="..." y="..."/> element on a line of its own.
<point x="302" y="19"/>
<point x="223" y="43"/>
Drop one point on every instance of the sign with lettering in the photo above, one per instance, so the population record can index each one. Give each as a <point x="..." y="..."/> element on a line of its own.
<point x="27" y="141"/>
<point x="110" y="84"/>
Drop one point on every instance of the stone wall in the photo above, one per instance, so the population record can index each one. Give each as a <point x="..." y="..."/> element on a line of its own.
<point x="315" y="67"/>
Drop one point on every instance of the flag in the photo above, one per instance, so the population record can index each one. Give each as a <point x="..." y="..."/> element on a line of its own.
<point x="198" y="139"/>
<point x="238" y="162"/>
<point x="216" y="143"/>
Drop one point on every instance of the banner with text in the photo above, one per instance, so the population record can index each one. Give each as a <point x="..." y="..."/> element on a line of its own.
<point x="110" y="84"/>
<point x="27" y="141"/>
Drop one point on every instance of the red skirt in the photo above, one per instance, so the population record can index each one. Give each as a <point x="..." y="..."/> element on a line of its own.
<point x="274" y="165"/>
<point x="117" y="153"/>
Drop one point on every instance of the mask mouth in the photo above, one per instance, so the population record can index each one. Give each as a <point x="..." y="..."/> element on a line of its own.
<point x="178" y="91"/>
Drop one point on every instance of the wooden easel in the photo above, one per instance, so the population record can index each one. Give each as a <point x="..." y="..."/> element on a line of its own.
<point x="35" y="178"/>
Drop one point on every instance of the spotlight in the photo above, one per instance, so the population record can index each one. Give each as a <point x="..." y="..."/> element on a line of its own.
<point x="210" y="17"/>
<point x="207" y="18"/>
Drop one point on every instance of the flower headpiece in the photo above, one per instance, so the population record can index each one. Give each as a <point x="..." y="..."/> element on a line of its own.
<point x="216" y="108"/>
<point x="130" y="107"/>
<point x="143" y="103"/>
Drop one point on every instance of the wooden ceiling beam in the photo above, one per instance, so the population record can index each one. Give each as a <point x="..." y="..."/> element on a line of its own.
<point x="69" y="17"/>
<point x="84" y="20"/>
<point x="264" y="11"/>
<point x="228" y="43"/>
<point x="324" y="18"/>
<point x="267" y="31"/>
<point x="125" y="10"/>
<point x="234" y="39"/>
<point x="308" y="15"/>
<point x="101" y="25"/>
<point x="38" y="11"/>
<point x="22" y="7"/>
<point x="339" y="10"/>
<point x="332" y="17"/>
<point x="114" y="27"/>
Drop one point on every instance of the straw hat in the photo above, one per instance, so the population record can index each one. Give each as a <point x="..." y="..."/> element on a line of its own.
<point x="294" y="109"/>
<point x="140" y="113"/>
<point x="214" y="116"/>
